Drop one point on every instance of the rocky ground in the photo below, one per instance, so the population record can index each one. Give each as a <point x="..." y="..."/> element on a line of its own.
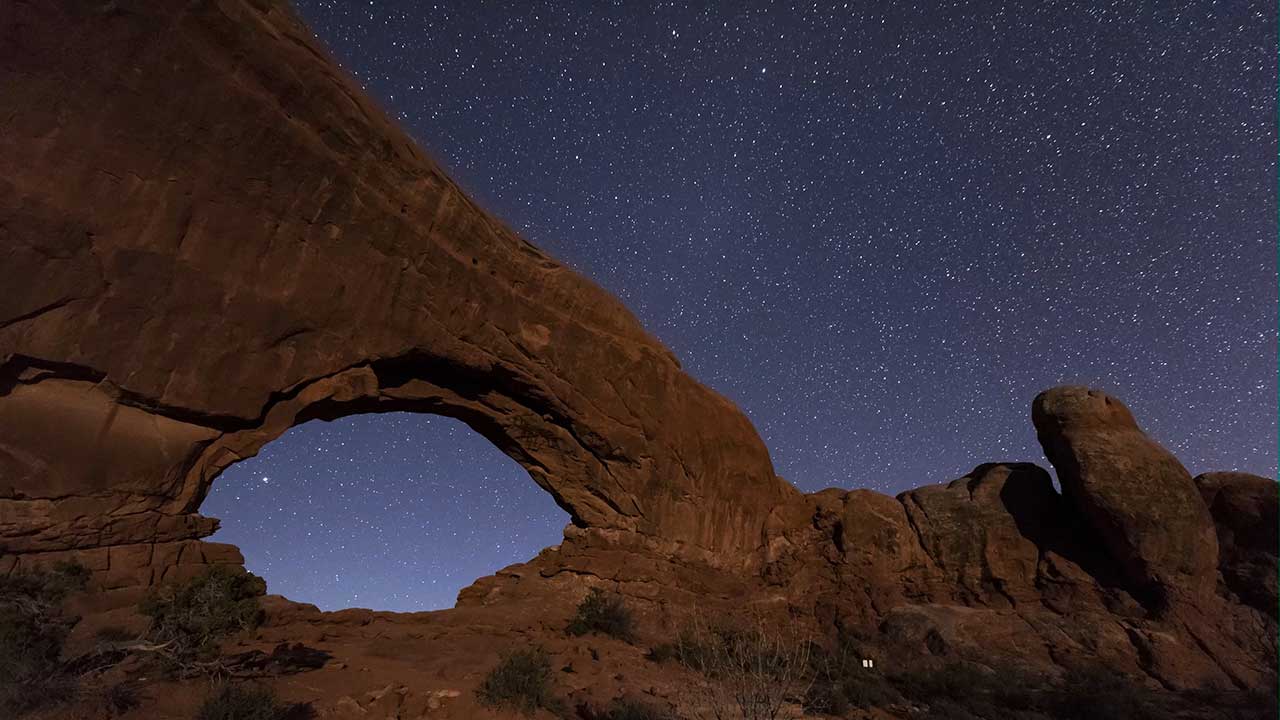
<point x="391" y="665"/>
<point x="1136" y="571"/>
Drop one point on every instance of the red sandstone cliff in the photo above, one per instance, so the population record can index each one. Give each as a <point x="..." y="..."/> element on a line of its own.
<point x="209" y="234"/>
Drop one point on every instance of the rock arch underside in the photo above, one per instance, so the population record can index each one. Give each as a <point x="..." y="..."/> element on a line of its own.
<point x="208" y="234"/>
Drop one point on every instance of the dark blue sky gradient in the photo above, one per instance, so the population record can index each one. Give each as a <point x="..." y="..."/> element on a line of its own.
<point x="880" y="228"/>
<point x="394" y="512"/>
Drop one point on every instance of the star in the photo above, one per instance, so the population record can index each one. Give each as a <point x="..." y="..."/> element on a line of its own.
<point x="881" y="250"/>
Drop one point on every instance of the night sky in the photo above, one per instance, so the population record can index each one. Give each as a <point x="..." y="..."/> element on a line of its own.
<point x="881" y="229"/>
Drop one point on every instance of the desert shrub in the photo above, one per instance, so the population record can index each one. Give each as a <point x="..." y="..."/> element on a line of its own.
<point x="664" y="652"/>
<point x="602" y="613"/>
<point x="521" y="680"/>
<point x="685" y="650"/>
<point x="753" y="670"/>
<point x="1100" y="694"/>
<point x="857" y="687"/>
<point x="1256" y="704"/>
<point x="189" y="620"/>
<point x="19" y="699"/>
<point x="249" y="702"/>
<point x="840" y="683"/>
<point x="1097" y="693"/>
<point x="950" y="682"/>
<point x="630" y="709"/>
<point x="32" y="633"/>
<point x="44" y="586"/>
<point x="116" y="699"/>
<point x="30" y="643"/>
<point x="956" y="691"/>
<point x="963" y="690"/>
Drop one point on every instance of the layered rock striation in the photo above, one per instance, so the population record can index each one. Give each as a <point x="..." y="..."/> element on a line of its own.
<point x="1135" y="494"/>
<point x="1133" y="566"/>
<point x="209" y="234"/>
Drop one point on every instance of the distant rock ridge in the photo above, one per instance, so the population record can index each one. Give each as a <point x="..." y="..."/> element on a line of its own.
<point x="209" y="234"/>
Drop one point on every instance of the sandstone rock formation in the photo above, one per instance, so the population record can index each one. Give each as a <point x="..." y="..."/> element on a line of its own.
<point x="998" y="565"/>
<point x="1136" y="495"/>
<point x="979" y="530"/>
<point x="208" y="234"/>
<point x="1244" y="508"/>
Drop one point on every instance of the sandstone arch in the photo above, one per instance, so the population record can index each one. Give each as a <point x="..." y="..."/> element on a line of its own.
<point x="208" y="233"/>
<point x="551" y="455"/>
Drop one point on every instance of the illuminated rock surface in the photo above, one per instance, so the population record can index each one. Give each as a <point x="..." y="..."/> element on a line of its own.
<point x="208" y="234"/>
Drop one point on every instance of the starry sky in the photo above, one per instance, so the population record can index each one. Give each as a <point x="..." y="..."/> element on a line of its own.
<point x="879" y="228"/>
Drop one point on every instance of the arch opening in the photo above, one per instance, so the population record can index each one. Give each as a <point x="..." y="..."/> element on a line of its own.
<point x="386" y="510"/>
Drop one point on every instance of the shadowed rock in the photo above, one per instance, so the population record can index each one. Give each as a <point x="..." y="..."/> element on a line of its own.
<point x="984" y="530"/>
<point x="1135" y="494"/>
<point x="1244" y="509"/>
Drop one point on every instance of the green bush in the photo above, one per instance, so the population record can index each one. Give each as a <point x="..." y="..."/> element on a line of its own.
<point x="629" y="709"/>
<point x="249" y="702"/>
<point x="604" y="614"/>
<point x="664" y="652"/>
<point x="46" y="587"/>
<point x="695" y="645"/>
<point x="30" y="643"/>
<point x="118" y="698"/>
<point x="192" y="618"/>
<point x="32" y="632"/>
<point x="699" y="646"/>
<point x="522" y="680"/>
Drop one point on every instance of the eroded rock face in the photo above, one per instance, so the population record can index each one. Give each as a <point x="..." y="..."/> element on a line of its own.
<point x="981" y="531"/>
<point x="1244" y="509"/>
<point x="1135" y="494"/>
<point x="998" y="567"/>
<point x="208" y="234"/>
